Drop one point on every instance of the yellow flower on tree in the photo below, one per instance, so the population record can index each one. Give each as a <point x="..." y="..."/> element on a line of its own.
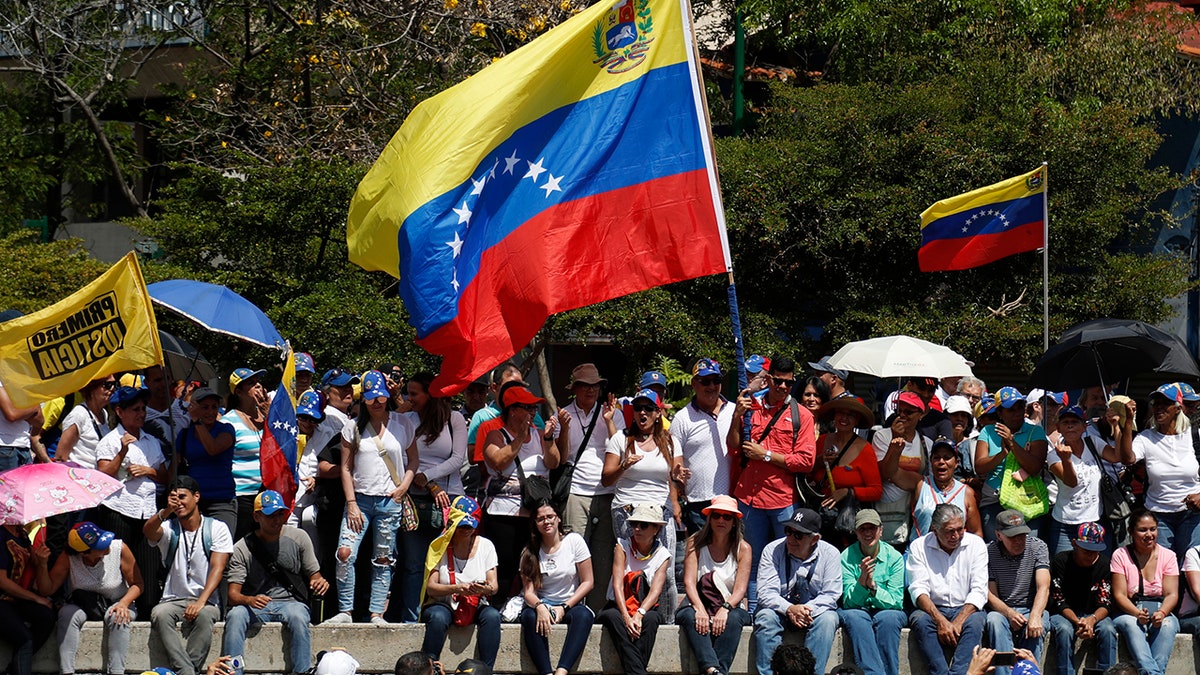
<point x="478" y="29"/>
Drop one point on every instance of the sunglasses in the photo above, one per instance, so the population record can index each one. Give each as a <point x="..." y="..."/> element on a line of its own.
<point x="708" y="381"/>
<point x="779" y="381"/>
<point x="644" y="408"/>
<point x="527" y="407"/>
<point x="717" y="515"/>
<point x="641" y="526"/>
<point x="798" y="536"/>
<point x="109" y="386"/>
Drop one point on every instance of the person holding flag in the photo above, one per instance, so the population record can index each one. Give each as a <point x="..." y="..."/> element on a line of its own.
<point x="247" y="414"/>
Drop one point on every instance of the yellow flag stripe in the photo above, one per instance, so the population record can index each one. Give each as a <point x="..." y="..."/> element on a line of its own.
<point x="1025" y="185"/>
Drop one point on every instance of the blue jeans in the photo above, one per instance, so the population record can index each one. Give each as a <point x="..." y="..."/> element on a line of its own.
<point x="1001" y="637"/>
<point x="1062" y="640"/>
<point x="713" y="651"/>
<point x="405" y="605"/>
<point x="1179" y="531"/>
<point x="381" y="516"/>
<point x="292" y="614"/>
<point x="579" y="620"/>
<point x="1190" y="625"/>
<point x="875" y="638"/>
<point x="438" y="617"/>
<point x="761" y="527"/>
<point x="768" y="635"/>
<point x="11" y="457"/>
<point x="927" y="639"/>
<point x="1150" y="649"/>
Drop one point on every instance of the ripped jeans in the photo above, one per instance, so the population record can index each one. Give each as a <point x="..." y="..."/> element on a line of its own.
<point x="381" y="517"/>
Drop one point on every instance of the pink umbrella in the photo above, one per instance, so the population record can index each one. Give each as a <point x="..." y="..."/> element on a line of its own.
<point x="35" y="491"/>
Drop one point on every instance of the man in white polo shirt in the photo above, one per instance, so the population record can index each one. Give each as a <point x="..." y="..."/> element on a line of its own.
<point x="699" y="430"/>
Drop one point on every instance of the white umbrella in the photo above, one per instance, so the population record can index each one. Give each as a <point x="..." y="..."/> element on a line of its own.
<point x="900" y="356"/>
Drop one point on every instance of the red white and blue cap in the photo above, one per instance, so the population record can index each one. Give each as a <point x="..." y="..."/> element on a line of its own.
<point x="757" y="363"/>
<point x="269" y="502"/>
<point x="87" y="536"/>
<point x="311" y="404"/>
<point x="1072" y="411"/>
<point x="651" y="378"/>
<point x="374" y="385"/>
<point x="1023" y="667"/>
<point x="706" y="367"/>
<point x="1189" y="393"/>
<point x="123" y="397"/>
<point x="1059" y="397"/>
<point x="650" y="395"/>
<point x="1170" y="391"/>
<point x="1090" y="537"/>
<point x="304" y="363"/>
<point x="1007" y="397"/>
<point x="470" y="507"/>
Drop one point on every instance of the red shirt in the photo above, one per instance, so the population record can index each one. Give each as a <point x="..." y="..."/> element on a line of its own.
<point x="862" y="474"/>
<point x="765" y="485"/>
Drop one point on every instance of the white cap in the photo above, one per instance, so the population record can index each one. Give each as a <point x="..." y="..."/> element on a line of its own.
<point x="1035" y="396"/>
<point x="337" y="662"/>
<point x="959" y="404"/>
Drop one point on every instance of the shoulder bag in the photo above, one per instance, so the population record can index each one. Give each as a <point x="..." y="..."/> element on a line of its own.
<point x="535" y="489"/>
<point x="408" y="510"/>
<point x="1029" y="496"/>
<point x="562" y="483"/>
<point x="1115" y="502"/>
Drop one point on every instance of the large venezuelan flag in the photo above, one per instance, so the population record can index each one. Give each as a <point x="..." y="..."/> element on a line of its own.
<point x="984" y="225"/>
<point x="577" y="169"/>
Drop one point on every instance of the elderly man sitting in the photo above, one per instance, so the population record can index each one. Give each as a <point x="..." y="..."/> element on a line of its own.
<point x="948" y="582"/>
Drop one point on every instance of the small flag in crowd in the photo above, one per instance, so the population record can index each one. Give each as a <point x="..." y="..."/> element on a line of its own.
<point x="278" y="452"/>
<point x="572" y="171"/>
<point x="984" y="225"/>
<point x="105" y="327"/>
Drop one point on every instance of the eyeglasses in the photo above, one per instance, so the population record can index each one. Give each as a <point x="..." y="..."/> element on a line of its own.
<point x="907" y="412"/>
<point x="644" y="408"/>
<point x="974" y="398"/>
<point x="780" y="382"/>
<point x="527" y="407"/>
<point x="798" y="536"/>
<point x="109" y="386"/>
<point x="586" y="385"/>
<point x="708" y="381"/>
<point x="641" y="526"/>
<point x="717" y="515"/>
<point x="546" y="518"/>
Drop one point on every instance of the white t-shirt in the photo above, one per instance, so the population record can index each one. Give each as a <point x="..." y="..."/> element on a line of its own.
<point x="188" y="572"/>
<point x="13" y="434"/>
<point x="912" y="458"/>
<point x="700" y="438"/>
<point x="560" y="578"/>
<point x="84" y="452"/>
<point x="585" y="482"/>
<point x="371" y="474"/>
<point x="1171" y="467"/>
<point x="1113" y="469"/>
<point x="650" y="566"/>
<point x="647" y="481"/>
<point x="507" y="499"/>
<point x="472" y="570"/>
<point x="442" y="460"/>
<point x="136" y="498"/>
<point x="1191" y="563"/>
<point x="1079" y="504"/>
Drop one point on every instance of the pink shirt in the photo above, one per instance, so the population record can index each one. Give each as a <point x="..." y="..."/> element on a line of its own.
<point x="1168" y="566"/>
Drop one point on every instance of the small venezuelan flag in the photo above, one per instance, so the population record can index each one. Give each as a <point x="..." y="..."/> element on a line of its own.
<point x="574" y="170"/>
<point x="984" y="225"/>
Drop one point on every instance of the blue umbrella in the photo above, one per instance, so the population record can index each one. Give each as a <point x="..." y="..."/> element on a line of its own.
<point x="218" y="309"/>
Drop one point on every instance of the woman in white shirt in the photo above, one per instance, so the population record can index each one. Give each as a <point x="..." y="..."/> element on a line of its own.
<point x="517" y="442"/>
<point x="86" y="424"/>
<point x="639" y="574"/>
<point x="1171" y="467"/>
<point x="459" y="586"/>
<point x="1076" y="465"/>
<point x="441" y="452"/>
<point x="556" y="568"/>
<point x="379" y="459"/>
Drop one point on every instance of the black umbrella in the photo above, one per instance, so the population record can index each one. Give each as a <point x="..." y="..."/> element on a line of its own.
<point x="183" y="361"/>
<point x="1108" y="350"/>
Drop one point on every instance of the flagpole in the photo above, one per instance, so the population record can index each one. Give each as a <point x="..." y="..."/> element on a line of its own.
<point x="1045" y="256"/>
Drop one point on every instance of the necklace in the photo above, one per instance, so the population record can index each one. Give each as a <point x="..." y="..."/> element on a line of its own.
<point x="633" y="546"/>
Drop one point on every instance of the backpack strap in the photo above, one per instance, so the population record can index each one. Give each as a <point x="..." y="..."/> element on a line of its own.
<point x="176" y="533"/>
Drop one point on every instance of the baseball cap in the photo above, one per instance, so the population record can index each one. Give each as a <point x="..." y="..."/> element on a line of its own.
<point x="706" y="367"/>
<point x="652" y="377"/>
<point x="311" y="405"/>
<point x="911" y="399"/>
<point x="1170" y="391"/>
<point x="473" y="667"/>
<point x="1035" y="395"/>
<point x="374" y="385"/>
<point x="650" y="395"/>
<point x="756" y="364"/>
<point x="958" y="403"/>
<point x="203" y="393"/>
<point x="240" y="375"/>
<point x="184" y="483"/>
<point x="1024" y="667"/>
<point x="804" y="521"/>
<point x="337" y="377"/>
<point x="867" y="517"/>
<point x="1007" y="397"/>
<point x="87" y="536"/>
<point x="923" y="381"/>
<point x="1189" y="392"/>
<point x="126" y="396"/>
<point x="269" y="502"/>
<point x="519" y="394"/>
<point x="943" y="442"/>
<point x="304" y="363"/>
<point x="1072" y="411"/>
<point x="158" y="671"/>
<point x="1011" y="523"/>
<point x="131" y="380"/>
<point x="1090" y="537"/>
<point x="470" y="507"/>
<point x="823" y="366"/>
<point x="986" y="405"/>
<point x="336" y="662"/>
<point x="1059" y="397"/>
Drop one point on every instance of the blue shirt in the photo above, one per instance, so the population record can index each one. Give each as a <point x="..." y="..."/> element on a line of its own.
<point x="214" y="473"/>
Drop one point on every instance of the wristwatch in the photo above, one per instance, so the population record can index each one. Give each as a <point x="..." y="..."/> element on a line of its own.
<point x="641" y="611"/>
<point x="767" y="457"/>
<point x="728" y="607"/>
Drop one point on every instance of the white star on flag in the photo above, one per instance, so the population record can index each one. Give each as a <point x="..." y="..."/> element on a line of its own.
<point x="278" y="424"/>
<point x="477" y="186"/>
<point x="511" y="162"/>
<point x="535" y="169"/>
<point x="456" y="245"/>
<point x="464" y="214"/>
<point x="552" y="184"/>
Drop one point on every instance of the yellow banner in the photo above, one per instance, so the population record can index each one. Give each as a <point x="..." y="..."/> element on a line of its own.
<point x="104" y="327"/>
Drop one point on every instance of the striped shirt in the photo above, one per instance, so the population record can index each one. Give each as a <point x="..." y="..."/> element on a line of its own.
<point x="247" y="443"/>
<point x="1013" y="575"/>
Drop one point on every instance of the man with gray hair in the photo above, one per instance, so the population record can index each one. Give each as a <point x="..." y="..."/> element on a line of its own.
<point x="948" y="582"/>
<point x="971" y="387"/>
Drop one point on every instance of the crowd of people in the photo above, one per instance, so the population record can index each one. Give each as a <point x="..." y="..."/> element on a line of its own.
<point x="970" y="517"/>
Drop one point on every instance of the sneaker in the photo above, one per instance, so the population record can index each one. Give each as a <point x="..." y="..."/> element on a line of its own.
<point x="341" y="617"/>
<point x="379" y="621"/>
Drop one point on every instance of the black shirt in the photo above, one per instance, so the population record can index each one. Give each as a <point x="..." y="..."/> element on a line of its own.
<point x="1083" y="589"/>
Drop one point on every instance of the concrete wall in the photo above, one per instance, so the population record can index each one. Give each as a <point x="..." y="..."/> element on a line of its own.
<point x="378" y="647"/>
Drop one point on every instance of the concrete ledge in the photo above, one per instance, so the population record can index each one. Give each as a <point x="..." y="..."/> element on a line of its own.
<point x="378" y="647"/>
